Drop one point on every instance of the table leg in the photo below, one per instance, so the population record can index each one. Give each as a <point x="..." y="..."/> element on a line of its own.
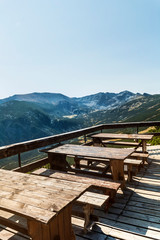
<point x="42" y="231"/>
<point x="144" y="148"/>
<point x="130" y="172"/>
<point x="58" y="161"/>
<point x="77" y="162"/>
<point x="59" y="228"/>
<point x="117" y="169"/>
<point x="35" y="230"/>
<point x="97" y="142"/>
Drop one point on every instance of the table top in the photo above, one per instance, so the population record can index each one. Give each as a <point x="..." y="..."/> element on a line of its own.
<point x="122" y="136"/>
<point x="36" y="197"/>
<point x="89" y="151"/>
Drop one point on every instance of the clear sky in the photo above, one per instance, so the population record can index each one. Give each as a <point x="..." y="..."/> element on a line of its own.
<point x="79" y="47"/>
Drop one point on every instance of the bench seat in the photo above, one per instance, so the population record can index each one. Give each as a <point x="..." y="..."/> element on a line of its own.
<point x="140" y="156"/>
<point x="133" y="144"/>
<point x="94" y="199"/>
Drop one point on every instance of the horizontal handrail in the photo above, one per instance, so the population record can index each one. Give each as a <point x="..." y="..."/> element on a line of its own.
<point x="13" y="149"/>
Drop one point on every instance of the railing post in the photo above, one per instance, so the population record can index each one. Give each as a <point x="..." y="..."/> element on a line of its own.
<point x="85" y="139"/>
<point x="19" y="160"/>
<point x="137" y="129"/>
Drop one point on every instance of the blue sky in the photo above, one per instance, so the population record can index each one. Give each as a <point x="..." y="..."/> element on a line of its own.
<point x="79" y="47"/>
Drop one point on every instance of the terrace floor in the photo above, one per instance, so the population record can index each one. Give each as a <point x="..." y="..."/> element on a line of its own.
<point x="135" y="215"/>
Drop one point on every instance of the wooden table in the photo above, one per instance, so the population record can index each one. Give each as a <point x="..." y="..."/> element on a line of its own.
<point x="98" y="138"/>
<point x="45" y="203"/>
<point x="115" y="156"/>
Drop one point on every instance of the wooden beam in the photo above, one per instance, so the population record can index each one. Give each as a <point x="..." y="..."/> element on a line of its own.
<point x="32" y="166"/>
<point x="13" y="149"/>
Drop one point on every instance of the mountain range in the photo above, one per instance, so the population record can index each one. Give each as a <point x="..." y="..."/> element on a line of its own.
<point x="29" y="116"/>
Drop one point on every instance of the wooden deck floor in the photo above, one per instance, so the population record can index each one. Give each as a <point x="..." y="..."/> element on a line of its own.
<point x="135" y="215"/>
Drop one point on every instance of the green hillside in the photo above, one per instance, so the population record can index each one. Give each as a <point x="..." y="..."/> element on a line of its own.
<point x="145" y="108"/>
<point x="22" y="121"/>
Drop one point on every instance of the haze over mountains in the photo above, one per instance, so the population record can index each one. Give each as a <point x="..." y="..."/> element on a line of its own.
<point x="35" y="115"/>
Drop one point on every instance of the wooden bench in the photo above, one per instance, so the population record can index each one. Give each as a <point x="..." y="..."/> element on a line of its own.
<point x="140" y="156"/>
<point x="89" y="200"/>
<point x="120" y="143"/>
<point x="107" y="186"/>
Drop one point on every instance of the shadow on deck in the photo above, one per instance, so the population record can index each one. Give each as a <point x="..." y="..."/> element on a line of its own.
<point x="135" y="215"/>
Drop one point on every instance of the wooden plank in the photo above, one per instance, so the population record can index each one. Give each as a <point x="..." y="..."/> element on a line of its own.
<point x="150" y="181"/>
<point x="69" y="194"/>
<point x="54" y="204"/>
<point x="142" y="216"/>
<point x="140" y="223"/>
<point x="139" y="154"/>
<point x="151" y="212"/>
<point x="126" y="224"/>
<point x="94" y="199"/>
<point x="144" y="205"/>
<point x="37" y="193"/>
<point x="78" y="229"/>
<point x="132" y="161"/>
<point x="145" y="197"/>
<point x="134" y="144"/>
<point x="26" y="210"/>
<point x="144" y="191"/>
<point x="122" y="136"/>
<point x="28" y="167"/>
<point x="107" y="230"/>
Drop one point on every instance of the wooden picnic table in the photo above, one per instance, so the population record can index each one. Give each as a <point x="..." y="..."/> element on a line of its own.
<point x="115" y="156"/>
<point x="98" y="138"/>
<point x="45" y="203"/>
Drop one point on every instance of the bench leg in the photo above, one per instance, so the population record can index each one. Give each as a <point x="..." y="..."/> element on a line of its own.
<point x="144" y="148"/>
<point x="77" y="162"/>
<point x="130" y="172"/>
<point x="87" y="210"/>
<point x="112" y="195"/>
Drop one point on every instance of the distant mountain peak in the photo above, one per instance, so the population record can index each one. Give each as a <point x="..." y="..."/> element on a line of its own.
<point x="98" y="101"/>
